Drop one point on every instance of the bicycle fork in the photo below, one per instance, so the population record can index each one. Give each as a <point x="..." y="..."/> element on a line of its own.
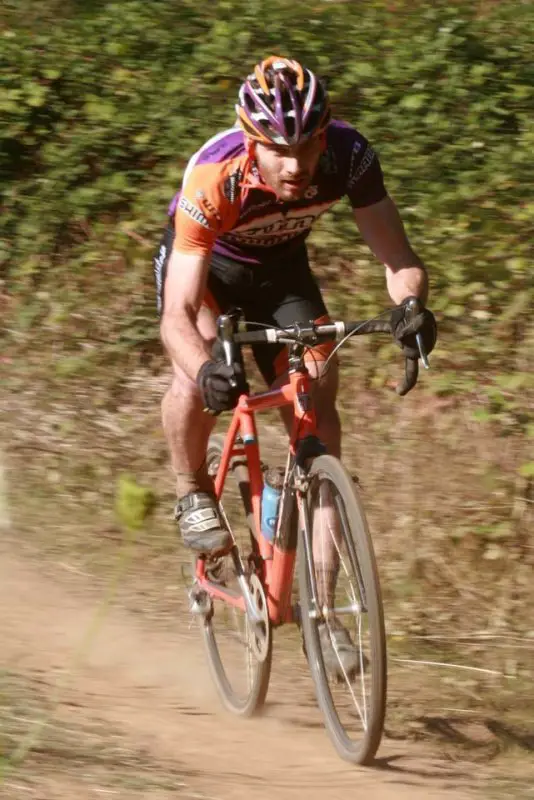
<point x="307" y="538"/>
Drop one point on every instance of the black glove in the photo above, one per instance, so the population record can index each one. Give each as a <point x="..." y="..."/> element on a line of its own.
<point x="405" y="324"/>
<point x="217" y="392"/>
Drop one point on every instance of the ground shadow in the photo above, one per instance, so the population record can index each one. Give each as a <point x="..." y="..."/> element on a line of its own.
<point x="390" y="764"/>
<point x="488" y="735"/>
<point x="511" y="736"/>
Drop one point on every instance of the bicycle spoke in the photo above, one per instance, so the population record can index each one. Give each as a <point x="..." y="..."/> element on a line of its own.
<point x="336" y="538"/>
<point x="346" y="638"/>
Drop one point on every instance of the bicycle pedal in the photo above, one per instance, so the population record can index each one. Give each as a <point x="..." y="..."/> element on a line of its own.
<point x="199" y="602"/>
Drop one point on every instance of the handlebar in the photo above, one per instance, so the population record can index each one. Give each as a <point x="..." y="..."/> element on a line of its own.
<point x="311" y="334"/>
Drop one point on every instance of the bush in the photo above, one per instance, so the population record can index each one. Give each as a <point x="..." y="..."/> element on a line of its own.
<point x="105" y="102"/>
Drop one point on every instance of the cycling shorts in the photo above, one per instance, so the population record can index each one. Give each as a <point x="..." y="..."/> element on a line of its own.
<point x="275" y="295"/>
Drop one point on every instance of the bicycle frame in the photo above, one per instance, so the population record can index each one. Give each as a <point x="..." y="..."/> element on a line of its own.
<point x="277" y="564"/>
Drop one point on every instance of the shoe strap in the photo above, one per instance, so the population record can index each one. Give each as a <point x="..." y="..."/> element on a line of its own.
<point x="191" y="501"/>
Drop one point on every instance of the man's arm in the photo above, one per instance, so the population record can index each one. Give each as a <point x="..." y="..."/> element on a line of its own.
<point x="381" y="227"/>
<point x="185" y="285"/>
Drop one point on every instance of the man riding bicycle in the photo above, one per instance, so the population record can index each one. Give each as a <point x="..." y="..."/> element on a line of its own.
<point x="236" y="238"/>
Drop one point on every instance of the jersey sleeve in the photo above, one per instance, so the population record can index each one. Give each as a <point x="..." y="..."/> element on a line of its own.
<point x="203" y="212"/>
<point x="365" y="181"/>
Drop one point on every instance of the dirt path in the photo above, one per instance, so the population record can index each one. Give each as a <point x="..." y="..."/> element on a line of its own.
<point x="153" y="685"/>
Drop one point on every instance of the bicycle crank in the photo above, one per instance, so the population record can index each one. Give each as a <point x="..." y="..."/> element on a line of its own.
<point x="257" y="616"/>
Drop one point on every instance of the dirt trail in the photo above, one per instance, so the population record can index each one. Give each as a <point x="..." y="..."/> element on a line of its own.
<point x="153" y="685"/>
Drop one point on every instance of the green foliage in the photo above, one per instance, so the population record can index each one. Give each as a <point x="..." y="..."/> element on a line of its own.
<point x="527" y="470"/>
<point x="104" y="103"/>
<point x="133" y="503"/>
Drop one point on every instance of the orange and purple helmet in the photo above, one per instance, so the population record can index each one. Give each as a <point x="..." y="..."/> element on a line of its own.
<point x="282" y="103"/>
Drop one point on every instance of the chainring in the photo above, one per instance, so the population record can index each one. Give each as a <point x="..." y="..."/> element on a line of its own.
<point x="259" y="632"/>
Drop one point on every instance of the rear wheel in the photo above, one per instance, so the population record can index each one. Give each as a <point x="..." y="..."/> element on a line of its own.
<point x="240" y="668"/>
<point x="338" y="544"/>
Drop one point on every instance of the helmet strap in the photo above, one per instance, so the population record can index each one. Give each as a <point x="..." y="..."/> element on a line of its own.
<point x="250" y="147"/>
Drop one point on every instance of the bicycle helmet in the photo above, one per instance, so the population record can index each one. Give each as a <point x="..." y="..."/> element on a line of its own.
<point x="282" y="103"/>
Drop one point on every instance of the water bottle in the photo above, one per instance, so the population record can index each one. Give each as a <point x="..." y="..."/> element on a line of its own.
<point x="273" y="481"/>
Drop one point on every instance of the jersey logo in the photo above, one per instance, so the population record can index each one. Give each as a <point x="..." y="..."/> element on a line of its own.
<point x="231" y="185"/>
<point x="277" y="227"/>
<point x="356" y="173"/>
<point x="207" y="204"/>
<point x="195" y="213"/>
<point x="159" y="263"/>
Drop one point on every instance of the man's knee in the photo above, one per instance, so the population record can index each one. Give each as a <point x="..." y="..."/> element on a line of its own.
<point x="325" y="376"/>
<point x="182" y="391"/>
<point x="181" y="383"/>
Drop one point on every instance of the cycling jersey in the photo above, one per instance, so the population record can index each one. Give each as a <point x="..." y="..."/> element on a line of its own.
<point x="224" y="206"/>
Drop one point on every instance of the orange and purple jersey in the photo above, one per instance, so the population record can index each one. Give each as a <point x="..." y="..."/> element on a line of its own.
<point x="224" y="206"/>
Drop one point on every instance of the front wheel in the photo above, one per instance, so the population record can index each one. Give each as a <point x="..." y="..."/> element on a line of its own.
<point x="341" y="610"/>
<point x="241" y="678"/>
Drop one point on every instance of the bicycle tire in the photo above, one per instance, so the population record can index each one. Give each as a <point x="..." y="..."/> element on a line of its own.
<point x="249" y="704"/>
<point x="363" y="751"/>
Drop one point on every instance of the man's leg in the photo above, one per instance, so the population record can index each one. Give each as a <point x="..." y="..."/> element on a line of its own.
<point x="326" y="528"/>
<point x="325" y="539"/>
<point x="340" y="654"/>
<point x="303" y="303"/>
<point x="290" y="295"/>
<point x="296" y="297"/>
<point x="326" y="531"/>
<point x="324" y="393"/>
<point x="187" y="428"/>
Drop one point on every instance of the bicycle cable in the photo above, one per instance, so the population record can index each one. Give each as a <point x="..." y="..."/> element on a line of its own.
<point x="309" y="348"/>
<point x="348" y="336"/>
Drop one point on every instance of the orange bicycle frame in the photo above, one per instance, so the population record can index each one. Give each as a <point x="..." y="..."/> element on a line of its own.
<point x="277" y="564"/>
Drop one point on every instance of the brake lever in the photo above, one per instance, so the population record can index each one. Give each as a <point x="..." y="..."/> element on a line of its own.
<point x="414" y="307"/>
<point x="411" y="373"/>
<point x="422" y="353"/>
<point x="225" y="332"/>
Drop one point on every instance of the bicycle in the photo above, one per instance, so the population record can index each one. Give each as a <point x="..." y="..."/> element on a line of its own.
<point x="251" y="586"/>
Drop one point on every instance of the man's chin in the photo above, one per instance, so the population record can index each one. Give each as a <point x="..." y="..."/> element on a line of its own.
<point x="292" y="192"/>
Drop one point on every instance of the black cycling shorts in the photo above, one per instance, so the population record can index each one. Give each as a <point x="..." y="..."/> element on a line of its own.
<point x="277" y="295"/>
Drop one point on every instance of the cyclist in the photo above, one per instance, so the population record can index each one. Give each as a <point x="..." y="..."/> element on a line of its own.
<point x="236" y="238"/>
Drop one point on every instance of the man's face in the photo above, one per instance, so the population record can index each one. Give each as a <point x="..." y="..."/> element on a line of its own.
<point x="289" y="170"/>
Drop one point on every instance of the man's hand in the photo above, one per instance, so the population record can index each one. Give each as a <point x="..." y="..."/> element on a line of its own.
<point x="404" y="326"/>
<point x="215" y="379"/>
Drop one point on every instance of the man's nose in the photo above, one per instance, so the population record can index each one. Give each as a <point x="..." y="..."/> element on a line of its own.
<point x="291" y="165"/>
